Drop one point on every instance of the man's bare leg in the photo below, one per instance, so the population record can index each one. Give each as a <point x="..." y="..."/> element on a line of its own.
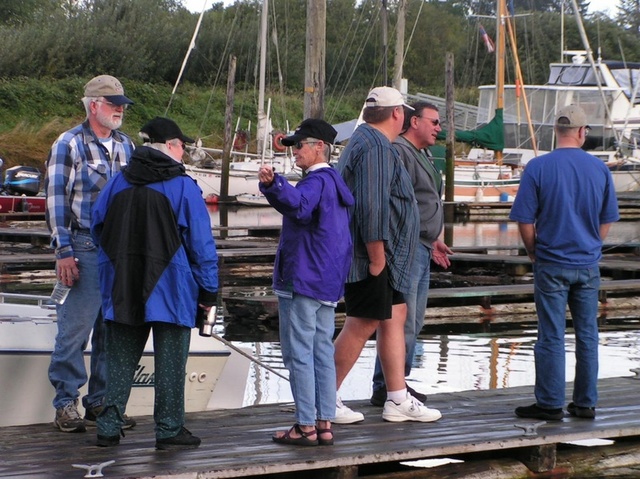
<point x="350" y="342"/>
<point x="391" y="347"/>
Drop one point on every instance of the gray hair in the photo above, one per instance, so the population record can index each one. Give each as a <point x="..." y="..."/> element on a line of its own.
<point x="86" y="101"/>
<point x="327" y="151"/>
<point x="156" y="146"/>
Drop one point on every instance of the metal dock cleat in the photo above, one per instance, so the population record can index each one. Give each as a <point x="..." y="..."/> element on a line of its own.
<point x="93" y="470"/>
<point x="530" y="429"/>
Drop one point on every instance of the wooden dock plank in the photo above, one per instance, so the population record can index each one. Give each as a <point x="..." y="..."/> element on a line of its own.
<point x="237" y="443"/>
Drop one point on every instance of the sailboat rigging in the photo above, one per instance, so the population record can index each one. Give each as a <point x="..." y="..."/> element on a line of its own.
<point x="606" y="90"/>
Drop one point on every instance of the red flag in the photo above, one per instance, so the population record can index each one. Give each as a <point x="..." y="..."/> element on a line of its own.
<point x="491" y="47"/>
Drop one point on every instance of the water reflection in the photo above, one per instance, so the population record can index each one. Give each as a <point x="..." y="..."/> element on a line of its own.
<point x="457" y="362"/>
<point x="465" y="356"/>
<point x="470" y="233"/>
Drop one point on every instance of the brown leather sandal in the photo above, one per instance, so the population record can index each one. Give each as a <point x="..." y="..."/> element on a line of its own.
<point x="303" y="440"/>
<point x="325" y="442"/>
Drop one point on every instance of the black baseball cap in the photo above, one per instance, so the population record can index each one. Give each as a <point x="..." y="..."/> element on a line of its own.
<point x="160" y="130"/>
<point x="312" y="128"/>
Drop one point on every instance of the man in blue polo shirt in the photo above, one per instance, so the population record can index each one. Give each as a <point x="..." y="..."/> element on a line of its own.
<point x="564" y="208"/>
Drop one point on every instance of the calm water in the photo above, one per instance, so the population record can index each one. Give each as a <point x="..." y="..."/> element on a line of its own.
<point x="444" y="362"/>
<point x="503" y="233"/>
<point x="452" y="362"/>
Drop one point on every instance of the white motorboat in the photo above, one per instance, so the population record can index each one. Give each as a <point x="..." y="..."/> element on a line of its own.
<point x="606" y="90"/>
<point x="243" y="174"/>
<point x="215" y="375"/>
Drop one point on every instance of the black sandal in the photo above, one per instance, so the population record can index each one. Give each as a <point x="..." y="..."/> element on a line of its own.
<point x="325" y="442"/>
<point x="303" y="440"/>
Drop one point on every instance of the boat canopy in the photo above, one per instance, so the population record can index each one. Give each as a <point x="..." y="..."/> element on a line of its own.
<point x="626" y="75"/>
<point x="490" y="135"/>
<point x="544" y="101"/>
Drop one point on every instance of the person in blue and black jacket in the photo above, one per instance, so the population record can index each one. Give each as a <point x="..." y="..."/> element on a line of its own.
<point x="158" y="264"/>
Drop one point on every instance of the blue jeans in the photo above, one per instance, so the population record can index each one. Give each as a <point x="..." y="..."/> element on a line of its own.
<point x="416" y="300"/>
<point x="555" y="288"/>
<point x="306" y="339"/>
<point x="79" y="314"/>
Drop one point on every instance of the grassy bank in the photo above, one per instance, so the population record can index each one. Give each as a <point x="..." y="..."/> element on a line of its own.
<point x="34" y="112"/>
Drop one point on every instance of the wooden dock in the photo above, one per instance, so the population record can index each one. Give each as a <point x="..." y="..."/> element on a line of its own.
<point x="476" y="425"/>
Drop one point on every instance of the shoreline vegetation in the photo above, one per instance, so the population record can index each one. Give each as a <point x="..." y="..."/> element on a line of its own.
<point x="33" y="112"/>
<point x="51" y="48"/>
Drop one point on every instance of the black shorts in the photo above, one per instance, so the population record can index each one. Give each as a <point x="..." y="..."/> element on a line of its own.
<point x="372" y="297"/>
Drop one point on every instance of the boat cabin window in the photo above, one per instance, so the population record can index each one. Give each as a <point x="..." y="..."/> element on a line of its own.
<point x="573" y="75"/>
<point x="628" y="78"/>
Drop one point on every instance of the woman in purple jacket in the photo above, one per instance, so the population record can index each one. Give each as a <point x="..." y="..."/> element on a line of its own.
<point x="311" y="267"/>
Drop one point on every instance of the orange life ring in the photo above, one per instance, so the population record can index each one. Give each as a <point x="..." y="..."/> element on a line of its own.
<point x="277" y="142"/>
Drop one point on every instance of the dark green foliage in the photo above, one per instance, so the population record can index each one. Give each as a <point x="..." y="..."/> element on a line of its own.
<point x="629" y="15"/>
<point x="146" y="41"/>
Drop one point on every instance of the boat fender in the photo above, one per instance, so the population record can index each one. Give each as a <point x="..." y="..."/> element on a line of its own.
<point x="240" y="142"/>
<point x="212" y="199"/>
<point x="277" y="142"/>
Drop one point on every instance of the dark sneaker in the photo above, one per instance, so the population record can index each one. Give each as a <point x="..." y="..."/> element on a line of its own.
<point x="183" y="440"/>
<point x="92" y="414"/>
<point x="583" y="412"/>
<point x="419" y="396"/>
<point x="536" y="412"/>
<point x="379" y="396"/>
<point x="68" y="418"/>
<point x="107" y="441"/>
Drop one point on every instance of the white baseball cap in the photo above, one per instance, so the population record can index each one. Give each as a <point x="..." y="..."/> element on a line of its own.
<point x="385" y="96"/>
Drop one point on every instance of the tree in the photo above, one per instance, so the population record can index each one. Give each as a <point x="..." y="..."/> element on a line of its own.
<point x="629" y="15"/>
<point x="19" y="12"/>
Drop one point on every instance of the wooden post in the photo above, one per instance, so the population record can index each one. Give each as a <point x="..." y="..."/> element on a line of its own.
<point x="398" y="60"/>
<point x="451" y="144"/>
<point x="314" y="72"/>
<point x="538" y="458"/>
<point x="228" y="134"/>
<point x="385" y="41"/>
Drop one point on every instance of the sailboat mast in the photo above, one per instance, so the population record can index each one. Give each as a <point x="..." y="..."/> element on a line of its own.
<point x="263" y="56"/>
<point x="262" y="118"/>
<point x="500" y="62"/>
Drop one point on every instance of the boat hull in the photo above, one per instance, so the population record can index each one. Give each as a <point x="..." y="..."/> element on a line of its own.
<point x="27" y="337"/>
<point x="490" y="183"/>
<point x="22" y="204"/>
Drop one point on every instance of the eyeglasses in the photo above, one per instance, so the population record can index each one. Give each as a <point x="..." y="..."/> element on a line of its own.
<point x="587" y="129"/>
<point x="433" y="122"/>
<point x="112" y="105"/>
<point x="299" y="144"/>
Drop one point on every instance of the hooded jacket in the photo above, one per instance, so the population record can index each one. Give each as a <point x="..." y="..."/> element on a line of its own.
<point x="314" y="254"/>
<point x="157" y="256"/>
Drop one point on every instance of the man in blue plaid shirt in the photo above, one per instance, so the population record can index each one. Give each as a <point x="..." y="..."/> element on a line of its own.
<point x="80" y="162"/>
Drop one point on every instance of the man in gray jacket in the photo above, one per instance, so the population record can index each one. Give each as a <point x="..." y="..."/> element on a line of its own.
<point x="421" y="127"/>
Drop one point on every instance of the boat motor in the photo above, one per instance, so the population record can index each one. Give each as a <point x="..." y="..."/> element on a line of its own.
<point x="22" y="180"/>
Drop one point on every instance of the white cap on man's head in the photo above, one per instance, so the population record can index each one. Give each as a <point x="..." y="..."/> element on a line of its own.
<point x="571" y="116"/>
<point x="385" y="96"/>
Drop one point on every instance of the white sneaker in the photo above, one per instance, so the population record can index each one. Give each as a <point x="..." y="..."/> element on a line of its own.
<point x="346" y="415"/>
<point x="409" y="410"/>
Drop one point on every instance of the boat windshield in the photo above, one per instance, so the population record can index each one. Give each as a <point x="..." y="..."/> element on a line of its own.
<point x="543" y="104"/>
